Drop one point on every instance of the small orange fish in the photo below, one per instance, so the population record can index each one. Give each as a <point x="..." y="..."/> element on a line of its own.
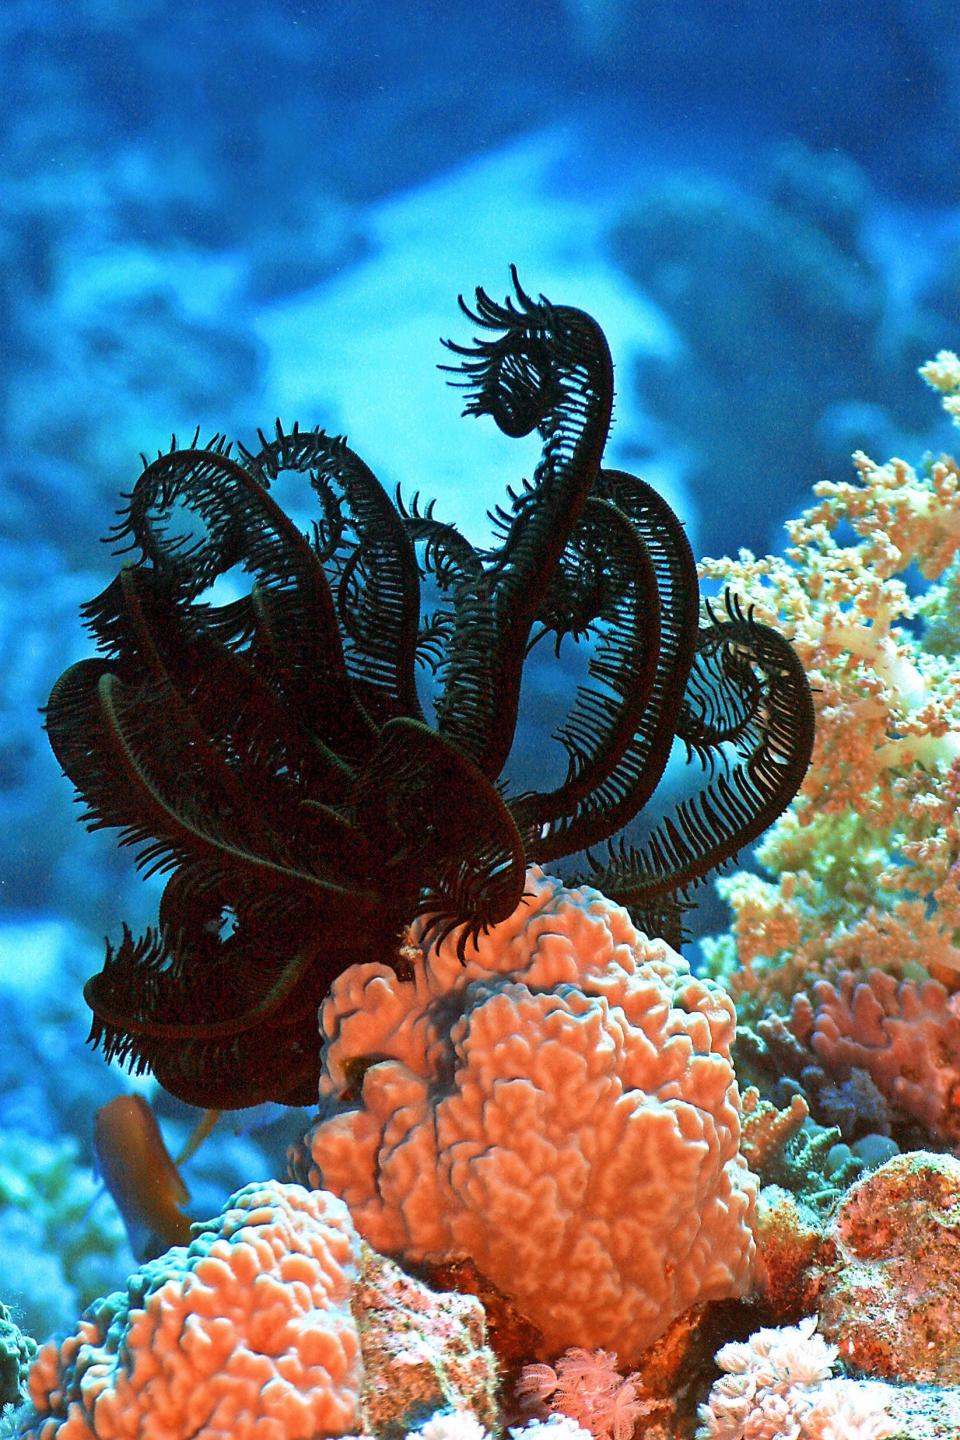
<point x="140" y="1174"/>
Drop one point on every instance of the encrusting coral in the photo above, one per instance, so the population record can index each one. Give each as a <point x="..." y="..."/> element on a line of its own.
<point x="275" y="1322"/>
<point x="886" y="1283"/>
<point x="560" y="1106"/>
<point x="273" y="755"/>
<point x="17" y="1351"/>
<point x="789" y="1233"/>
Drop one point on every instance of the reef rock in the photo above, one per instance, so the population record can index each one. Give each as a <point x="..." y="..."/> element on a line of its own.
<point x="560" y="1108"/>
<point x="887" y="1282"/>
<point x="422" y="1352"/>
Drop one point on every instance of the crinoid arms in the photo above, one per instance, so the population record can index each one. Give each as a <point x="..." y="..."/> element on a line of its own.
<point x="272" y="755"/>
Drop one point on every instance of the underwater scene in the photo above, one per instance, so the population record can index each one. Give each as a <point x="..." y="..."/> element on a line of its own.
<point x="480" y="762"/>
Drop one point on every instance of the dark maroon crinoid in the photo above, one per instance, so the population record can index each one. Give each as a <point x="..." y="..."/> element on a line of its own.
<point x="271" y="755"/>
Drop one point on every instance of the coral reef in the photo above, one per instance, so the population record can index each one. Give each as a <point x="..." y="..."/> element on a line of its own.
<point x="560" y="1107"/>
<point x="575" y="1094"/>
<point x="274" y="1321"/>
<point x="887" y="1282"/>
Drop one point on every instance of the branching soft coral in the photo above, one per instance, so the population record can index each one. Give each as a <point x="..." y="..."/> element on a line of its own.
<point x="867" y="859"/>
<point x="777" y="1386"/>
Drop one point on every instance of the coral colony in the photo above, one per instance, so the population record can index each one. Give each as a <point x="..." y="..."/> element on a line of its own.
<point x="557" y="1184"/>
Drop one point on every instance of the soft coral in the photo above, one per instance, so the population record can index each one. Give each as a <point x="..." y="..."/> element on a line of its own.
<point x="587" y="1387"/>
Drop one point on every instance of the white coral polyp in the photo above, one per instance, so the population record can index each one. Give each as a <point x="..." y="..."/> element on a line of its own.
<point x="777" y="1386"/>
<point x="561" y="1108"/>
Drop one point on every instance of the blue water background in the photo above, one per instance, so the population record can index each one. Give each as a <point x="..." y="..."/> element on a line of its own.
<point x="216" y="214"/>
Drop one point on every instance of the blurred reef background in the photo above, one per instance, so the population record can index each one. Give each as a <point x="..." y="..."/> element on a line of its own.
<point x="214" y="214"/>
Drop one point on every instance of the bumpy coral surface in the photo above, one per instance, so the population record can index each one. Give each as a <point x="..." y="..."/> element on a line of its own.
<point x="247" y="1331"/>
<point x="889" y="1292"/>
<point x="788" y="1237"/>
<point x="561" y="1109"/>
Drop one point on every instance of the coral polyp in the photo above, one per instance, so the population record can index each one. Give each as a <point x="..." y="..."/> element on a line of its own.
<point x="272" y="754"/>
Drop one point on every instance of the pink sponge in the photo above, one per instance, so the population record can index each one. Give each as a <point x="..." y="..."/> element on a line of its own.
<point x="245" y="1333"/>
<point x="561" y="1109"/>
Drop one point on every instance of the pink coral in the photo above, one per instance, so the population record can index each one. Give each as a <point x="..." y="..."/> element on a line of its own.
<point x="587" y="1387"/>
<point x="561" y="1109"/>
<point x="904" y="1033"/>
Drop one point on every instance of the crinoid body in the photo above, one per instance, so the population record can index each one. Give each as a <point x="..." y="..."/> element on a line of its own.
<point x="272" y="755"/>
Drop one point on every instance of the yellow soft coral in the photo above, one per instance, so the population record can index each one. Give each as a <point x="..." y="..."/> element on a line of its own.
<point x="867" y="859"/>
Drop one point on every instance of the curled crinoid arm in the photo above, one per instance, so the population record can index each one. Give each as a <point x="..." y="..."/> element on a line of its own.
<point x="751" y="698"/>
<point x="288" y="623"/>
<point x="618" y="741"/>
<point x="724" y="689"/>
<point x="546" y="368"/>
<point x="448" y="559"/>
<point x="605" y="586"/>
<point x="368" y="560"/>
<point x="447" y="556"/>
<point x="510" y="377"/>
